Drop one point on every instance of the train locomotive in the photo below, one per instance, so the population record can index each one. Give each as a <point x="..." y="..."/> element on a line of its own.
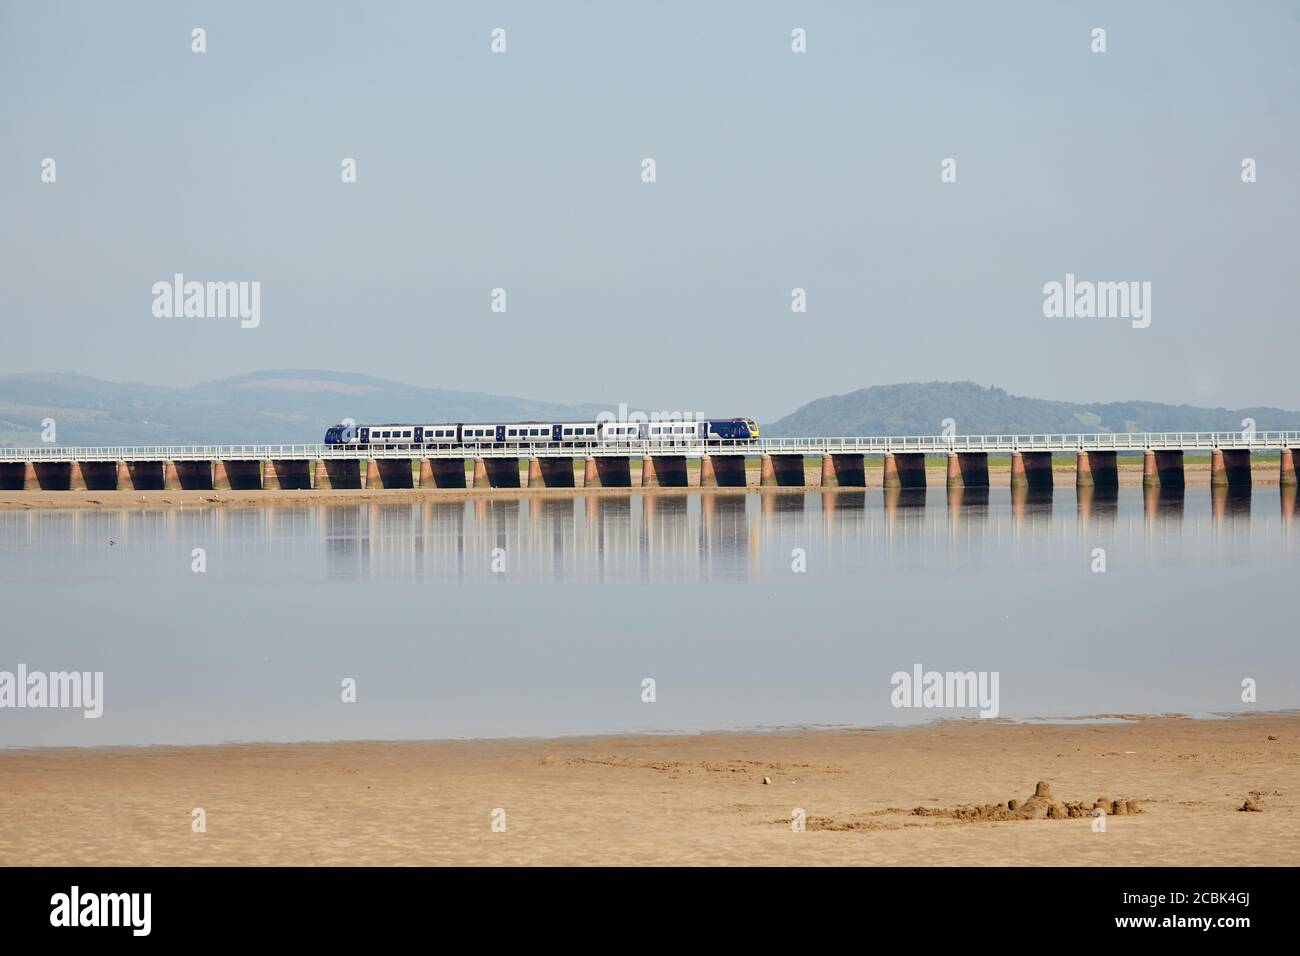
<point x="506" y="434"/>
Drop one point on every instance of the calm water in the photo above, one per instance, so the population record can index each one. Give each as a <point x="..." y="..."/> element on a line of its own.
<point x="599" y="593"/>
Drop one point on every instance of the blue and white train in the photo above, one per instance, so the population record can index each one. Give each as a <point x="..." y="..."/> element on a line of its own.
<point x="713" y="431"/>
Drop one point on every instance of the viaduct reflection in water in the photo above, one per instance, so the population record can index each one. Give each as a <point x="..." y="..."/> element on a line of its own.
<point x="663" y="536"/>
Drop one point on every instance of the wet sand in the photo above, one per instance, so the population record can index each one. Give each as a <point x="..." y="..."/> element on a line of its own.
<point x="1197" y="475"/>
<point x="673" y="799"/>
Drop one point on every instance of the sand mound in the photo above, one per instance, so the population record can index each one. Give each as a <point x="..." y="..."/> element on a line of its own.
<point x="1041" y="806"/>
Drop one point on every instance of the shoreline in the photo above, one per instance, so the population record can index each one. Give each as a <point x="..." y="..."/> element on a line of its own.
<point x="1264" y="477"/>
<point x="1082" y="720"/>
<point x="934" y="793"/>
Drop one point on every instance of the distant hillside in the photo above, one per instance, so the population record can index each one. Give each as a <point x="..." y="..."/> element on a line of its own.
<point x="919" y="409"/>
<point x="296" y="405"/>
<point x="289" y="405"/>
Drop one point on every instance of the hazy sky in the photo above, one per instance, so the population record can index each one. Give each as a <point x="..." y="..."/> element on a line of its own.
<point x="775" y="170"/>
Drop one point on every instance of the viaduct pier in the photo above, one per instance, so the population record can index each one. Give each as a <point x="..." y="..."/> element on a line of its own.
<point x="663" y="464"/>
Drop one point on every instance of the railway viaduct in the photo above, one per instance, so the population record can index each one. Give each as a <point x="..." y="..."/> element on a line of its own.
<point x="721" y="465"/>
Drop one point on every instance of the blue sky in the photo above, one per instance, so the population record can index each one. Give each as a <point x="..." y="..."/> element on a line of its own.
<point x="775" y="170"/>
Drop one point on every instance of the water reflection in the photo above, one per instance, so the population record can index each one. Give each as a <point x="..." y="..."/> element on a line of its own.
<point x="1164" y="504"/>
<point x="1099" y="504"/>
<point x="1031" y="503"/>
<point x="968" y="503"/>
<point x="541" y="615"/>
<point x="662" y="536"/>
<point x="1230" y="504"/>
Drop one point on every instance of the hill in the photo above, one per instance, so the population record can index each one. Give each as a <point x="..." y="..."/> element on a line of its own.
<point x="279" y="405"/>
<point x="296" y="405"/>
<point x="920" y="409"/>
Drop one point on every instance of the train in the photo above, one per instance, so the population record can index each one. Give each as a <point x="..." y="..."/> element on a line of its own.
<point x="506" y="434"/>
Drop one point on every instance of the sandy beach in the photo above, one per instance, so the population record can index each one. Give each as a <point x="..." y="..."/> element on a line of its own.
<point x="696" y="799"/>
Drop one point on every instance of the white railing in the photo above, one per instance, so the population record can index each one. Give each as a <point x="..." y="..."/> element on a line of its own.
<point x="935" y="445"/>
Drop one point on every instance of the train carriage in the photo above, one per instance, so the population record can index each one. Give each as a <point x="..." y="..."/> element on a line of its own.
<point x="576" y="433"/>
<point x="479" y="433"/>
<point x="440" y="435"/>
<point x="676" y="433"/>
<point x="525" y="434"/>
<point x="619" y="432"/>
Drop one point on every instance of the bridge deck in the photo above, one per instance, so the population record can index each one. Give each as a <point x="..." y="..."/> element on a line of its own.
<point x="932" y="445"/>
